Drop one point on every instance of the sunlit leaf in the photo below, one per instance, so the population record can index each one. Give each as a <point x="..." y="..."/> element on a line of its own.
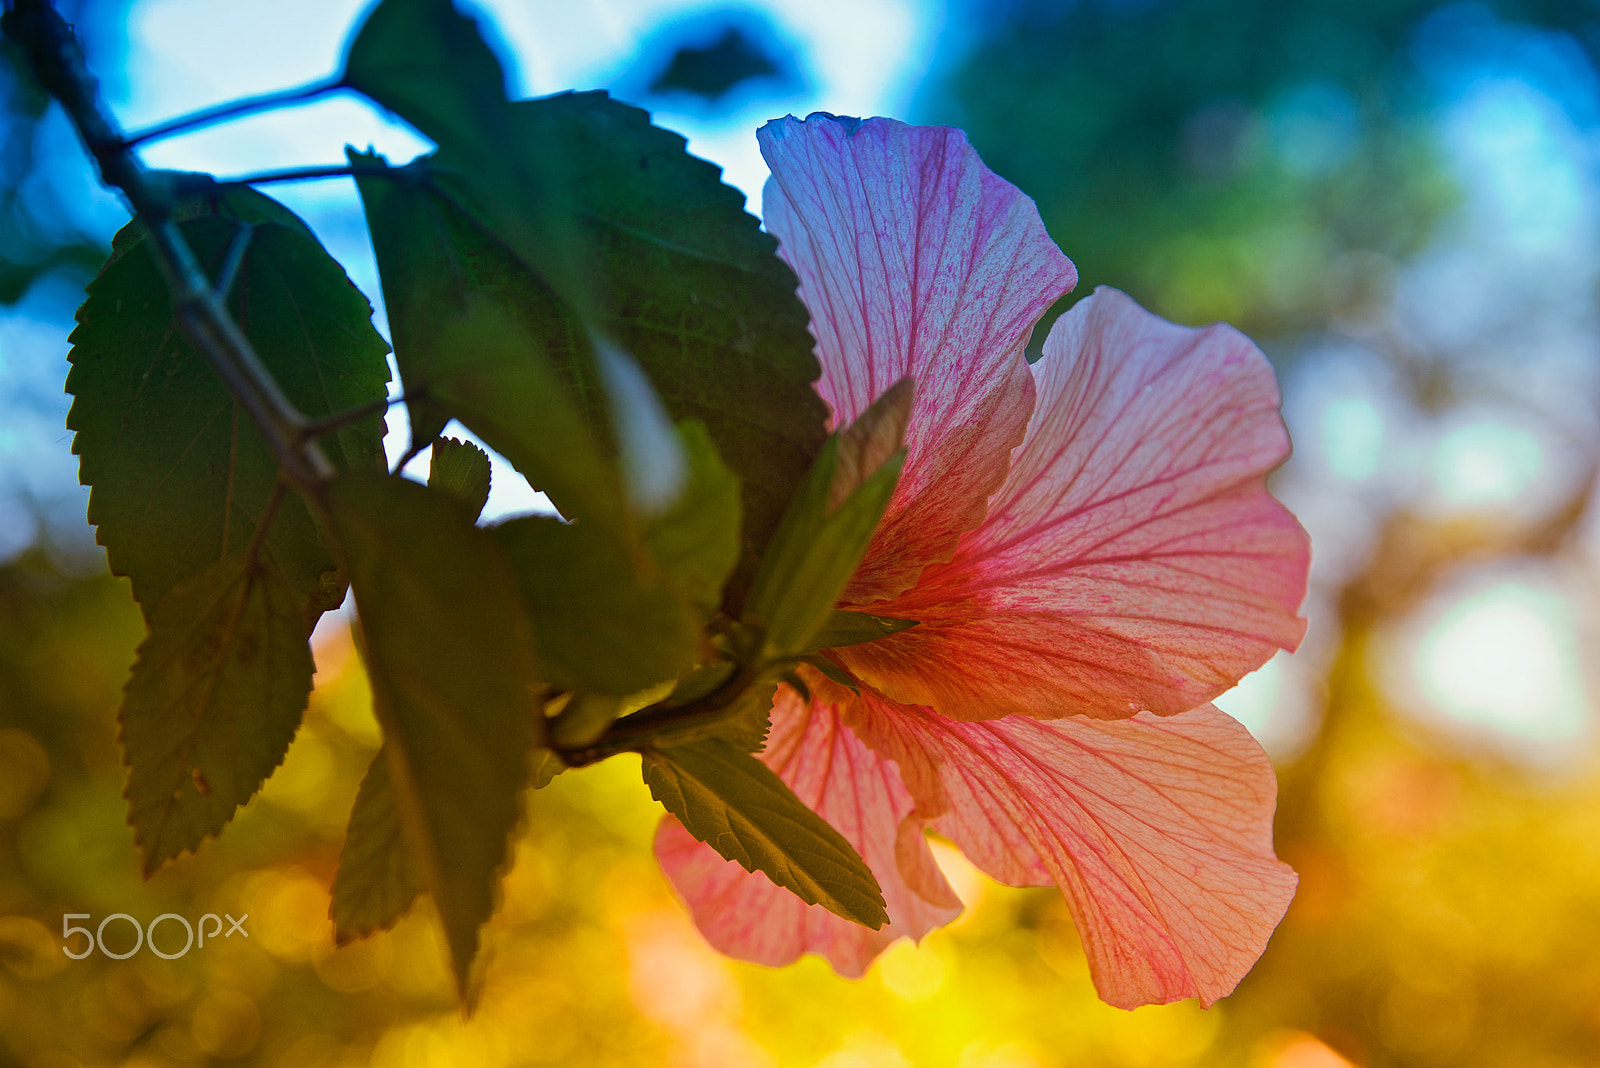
<point x="833" y="672"/>
<point x="546" y="766"/>
<point x="587" y="715"/>
<point x="180" y="475"/>
<point x="214" y="699"/>
<point x="815" y="552"/>
<point x="377" y="881"/>
<point x="454" y="682"/>
<point x="734" y="803"/>
<point x="853" y="628"/>
<point x="460" y="469"/>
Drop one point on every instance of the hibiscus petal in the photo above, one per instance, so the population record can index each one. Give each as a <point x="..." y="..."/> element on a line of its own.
<point x="860" y="793"/>
<point x="1134" y="559"/>
<point x="1157" y="829"/>
<point x="915" y="259"/>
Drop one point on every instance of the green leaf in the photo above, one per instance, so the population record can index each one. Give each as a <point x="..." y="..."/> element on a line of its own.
<point x="700" y="683"/>
<point x="205" y="198"/>
<point x="474" y="340"/>
<point x="852" y="628"/>
<point x="622" y="235"/>
<point x="180" y="476"/>
<point x="634" y="239"/>
<point x="460" y="469"/>
<point x="832" y="671"/>
<point x="585" y="716"/>
<point x="428" y="62"/>
<point x="214" y="699"/>
<point x="686" y="283"/>
<point x="649" y="452"/>
<point x="696" y="541"/>
<point x="454" y="682"/>
<point x="816" y="551"/>
<point x="607" y="622"/>
<point x="377" y="880"/>
<point x="750" y="717"/>
<point x="546" y="766"/>
<point x="735" y="804"/>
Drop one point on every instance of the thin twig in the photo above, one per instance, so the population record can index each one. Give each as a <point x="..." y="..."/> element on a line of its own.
<point x="57" y="60"/>
<point x="233" y="109"/>
<point x="253" y="553"/>
<point x="326" y="424"/>
<point x="309" y="174"/>
<point x="231" y="262"/>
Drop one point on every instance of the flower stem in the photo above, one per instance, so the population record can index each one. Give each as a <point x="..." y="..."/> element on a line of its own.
<point x="57" y="60"/>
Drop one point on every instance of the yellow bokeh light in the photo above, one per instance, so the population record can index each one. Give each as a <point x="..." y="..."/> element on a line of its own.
<point x="24" y="772"/>
<point x="912" y="973"/>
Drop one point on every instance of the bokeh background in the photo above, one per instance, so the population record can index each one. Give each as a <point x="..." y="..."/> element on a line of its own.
<point x="1396" y="198"/>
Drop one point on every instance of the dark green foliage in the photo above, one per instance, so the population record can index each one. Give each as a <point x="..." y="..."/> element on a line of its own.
<point x="460" y="469"/>
<point x="180" y="474"/>
<point x="695" y="542"/>
<point x="426" y="61"/>
<point x="377" y="880"/>
<point x="605" y="623"/>
<point x="690" y="288"/>
<point x="614" y="617"/>
<point x="455" y="684"/>
<point x="214" y="699"/>
<point x="474" y="340"/>
<point x="713" y="70"/>
<point x="735" y="804"/>
<point x="610" y="229"/>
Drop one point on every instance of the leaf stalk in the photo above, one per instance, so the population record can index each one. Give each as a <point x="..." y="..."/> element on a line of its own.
<point x="644" y="728"/>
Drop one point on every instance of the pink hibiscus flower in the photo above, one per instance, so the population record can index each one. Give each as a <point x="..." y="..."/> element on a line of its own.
<point x="1092" y="555"/>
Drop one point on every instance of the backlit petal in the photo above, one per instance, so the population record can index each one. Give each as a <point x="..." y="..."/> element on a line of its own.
<point x="1134" y="559"/>
<point x="1157" y="829"/>
<point x="857" y="791"/>
<point x="915" y="259"/>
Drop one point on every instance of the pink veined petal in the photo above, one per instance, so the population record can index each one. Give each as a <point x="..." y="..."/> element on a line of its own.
<point x="1158" y="830"/>
<point x="915" y="259"/>
<point x="1133" y="559"/>
<point x="745" y="915"/>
